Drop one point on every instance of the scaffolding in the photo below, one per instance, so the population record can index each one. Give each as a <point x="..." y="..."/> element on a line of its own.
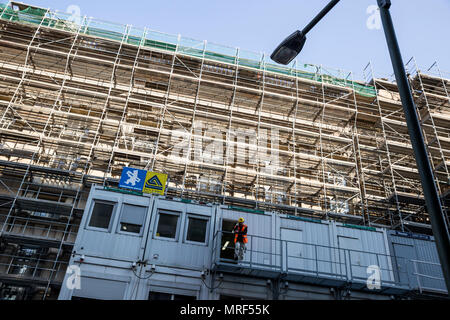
<point x="79" y="102"/>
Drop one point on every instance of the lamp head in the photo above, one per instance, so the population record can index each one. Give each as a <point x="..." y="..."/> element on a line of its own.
<point x="289" y="48"/>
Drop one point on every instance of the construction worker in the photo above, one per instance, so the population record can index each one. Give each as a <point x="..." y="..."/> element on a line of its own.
<point x="240" y="239"/>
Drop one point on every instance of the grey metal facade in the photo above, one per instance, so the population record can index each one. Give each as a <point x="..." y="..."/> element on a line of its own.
<point x="286" y="258"/>
<point x="417" y="254"/>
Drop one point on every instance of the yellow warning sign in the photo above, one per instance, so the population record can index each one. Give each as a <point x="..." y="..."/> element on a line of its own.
<point x="155" y="183"/>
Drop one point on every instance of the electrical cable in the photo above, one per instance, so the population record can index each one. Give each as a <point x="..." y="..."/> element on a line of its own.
<point x="143" y="278"/>
<point x="136" y="286"/>
<point x="212" y="288"/>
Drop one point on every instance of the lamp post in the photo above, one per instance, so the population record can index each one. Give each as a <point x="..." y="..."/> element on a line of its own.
<point x="292" y="46"/>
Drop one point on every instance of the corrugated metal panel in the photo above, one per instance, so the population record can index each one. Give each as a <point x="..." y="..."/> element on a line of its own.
<point x="100" y="289"/>
<point x="179" y="254"/>
<point x="314" y="233"/>
<point x="427" y="260"/>
<point x="106" y="245"/>
<point x="430" y="265"/>
<point x="404" y="253"/>
<point x="315" y="251"/>
<point x="364" y="248"/>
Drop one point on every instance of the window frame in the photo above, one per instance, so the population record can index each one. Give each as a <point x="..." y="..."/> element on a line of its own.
<point x="177" y="231"/>
<point x="111" y="220"/>
<point x="173" y="293"/>
<point x="186" y="227"/>
<point x="128" y="233"/>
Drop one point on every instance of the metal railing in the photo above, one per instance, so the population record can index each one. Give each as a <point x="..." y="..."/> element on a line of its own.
<point x="429" y="276"/>
<point x="314" y="261"/>
<point x="38" y="229"/>
<point x="21" y="267"/>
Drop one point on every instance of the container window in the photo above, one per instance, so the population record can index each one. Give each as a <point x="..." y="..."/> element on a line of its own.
<point x="159" y="296"/>
<point x="226" y="297"/>
<point x="167" y="225"/>
<point x="153" y="295"/>
<point x="196" y="230"/>
<point x="183" y="297"/>
<point x="83" y="299"/>
<point x="132" y="218"/>
<point x="101" y="215"/>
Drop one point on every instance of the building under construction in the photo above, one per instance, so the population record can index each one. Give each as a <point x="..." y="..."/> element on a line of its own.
<point x="80" y="99"/>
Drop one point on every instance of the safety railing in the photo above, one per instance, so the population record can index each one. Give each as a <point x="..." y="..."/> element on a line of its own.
<point x="173" y="43"/>
<point x="312" y="260"/>
<point x="19" y="267"/>
<point x="37" y="229"/>
<point x="428" y="276"/>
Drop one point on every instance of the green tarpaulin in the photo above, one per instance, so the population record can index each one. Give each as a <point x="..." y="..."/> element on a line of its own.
<point x="37" y="16"/>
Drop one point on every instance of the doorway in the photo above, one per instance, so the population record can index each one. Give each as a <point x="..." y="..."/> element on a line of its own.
<point x="227" y="241"/>
<point x="292" y="249"/>
<point x="405" y="271"/>
<point x="350" y="259"/>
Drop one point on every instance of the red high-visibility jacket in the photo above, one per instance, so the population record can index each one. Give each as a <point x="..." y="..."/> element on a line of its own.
<point x="240" y="233"/>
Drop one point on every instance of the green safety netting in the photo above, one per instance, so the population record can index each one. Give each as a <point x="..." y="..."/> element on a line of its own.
<point x="61" y="21"/>
<point x="7" y="13"/>
<point x="34" y="11"/>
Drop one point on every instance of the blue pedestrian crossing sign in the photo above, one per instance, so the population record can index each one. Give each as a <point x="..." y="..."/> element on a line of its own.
<point x="133" y="179"/>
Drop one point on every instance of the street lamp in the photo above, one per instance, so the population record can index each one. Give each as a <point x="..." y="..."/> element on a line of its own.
<point x="292" y="46"/>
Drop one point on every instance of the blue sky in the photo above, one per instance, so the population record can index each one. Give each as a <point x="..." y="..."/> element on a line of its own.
<point x="342" y="40"/>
